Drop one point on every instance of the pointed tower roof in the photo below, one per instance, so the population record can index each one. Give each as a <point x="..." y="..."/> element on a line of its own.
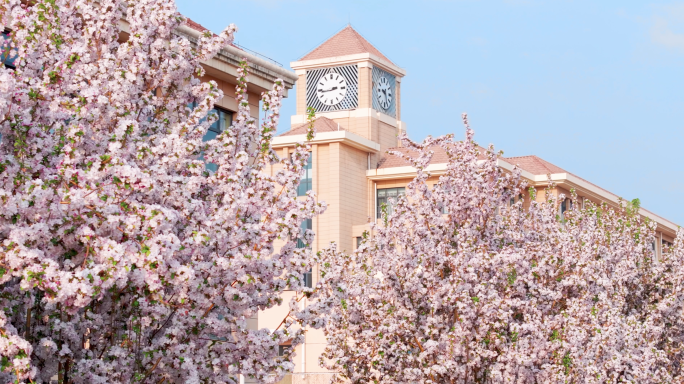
<point x="345" y="42"/>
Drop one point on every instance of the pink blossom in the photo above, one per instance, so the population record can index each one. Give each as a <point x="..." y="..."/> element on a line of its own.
<point x="456" y="286"/>
<point x="122" y="259"/>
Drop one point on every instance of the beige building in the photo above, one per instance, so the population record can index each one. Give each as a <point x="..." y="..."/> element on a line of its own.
<point x="223" y="69"/>
<point x="356" y="92"/>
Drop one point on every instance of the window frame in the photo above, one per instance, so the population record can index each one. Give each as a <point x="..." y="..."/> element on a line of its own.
<point x="306" y="224"/>
<point x="6" y="32"/>
<point x="282" y="348"/>
<point x="219" y="111"/>
<point x="306" y="182"/>
<point x="401" y="191"/>
<point x="211" y="167"/>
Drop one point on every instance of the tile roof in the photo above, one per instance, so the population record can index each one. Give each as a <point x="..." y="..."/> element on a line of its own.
<point x="539" y="166"/>
<point x="534" y="165"/>
<point x="321" y="124"/>
<point x="345" y="42"/>
<point x="439" y="157"/>
<point x="194" y="25"/>
<point x="198" y="27"/>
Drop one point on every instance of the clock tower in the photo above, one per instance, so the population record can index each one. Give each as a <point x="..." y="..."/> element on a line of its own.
<point x="356" y="93"/>
<point x="350" y="82"/>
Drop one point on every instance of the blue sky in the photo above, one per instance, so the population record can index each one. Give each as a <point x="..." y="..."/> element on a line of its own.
<point x="593" y="87"/>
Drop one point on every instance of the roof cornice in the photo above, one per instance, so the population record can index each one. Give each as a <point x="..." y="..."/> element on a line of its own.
<point x="565" y="180"/>
<point x="233" y="56"/>
<point x="344" y="137"/>
<point x="349" y="59"/>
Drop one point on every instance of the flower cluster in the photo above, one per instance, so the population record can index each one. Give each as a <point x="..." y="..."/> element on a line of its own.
<point x="457" y="285"/>
<point x="122" y="258"/>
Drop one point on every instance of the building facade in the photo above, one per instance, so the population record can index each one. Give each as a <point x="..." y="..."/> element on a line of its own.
<point x="356" y="92"/>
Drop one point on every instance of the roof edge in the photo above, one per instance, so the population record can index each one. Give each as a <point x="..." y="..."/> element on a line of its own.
<point x="349" y="59"/>
<point x="252" y="59"/>
<point x="345" y="137"/>
<point x="568" y="178"/>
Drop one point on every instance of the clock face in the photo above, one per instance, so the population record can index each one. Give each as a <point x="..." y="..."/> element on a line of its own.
<point x="384" y="93"/>
<point x="331" y="88"/>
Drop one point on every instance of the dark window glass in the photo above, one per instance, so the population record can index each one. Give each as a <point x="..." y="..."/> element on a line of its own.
<point x="512" y="199"/>
<point x="384" y="196"/>
<point x="225" y="119"/>
<point x="359" y="240"/>
<point x="7" y="56"/>
<point x="306" y="182"/>
<point x="283" y="349"/>
<point x="306" y="224"/>
<point x="308" y="279"/>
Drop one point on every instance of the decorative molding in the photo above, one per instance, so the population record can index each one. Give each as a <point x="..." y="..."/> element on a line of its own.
<point x="389" y="120"/>
<point x="404" y="172"/>
<point x="349" y="59"/>
<point x="233" y="56"/>
<point x="359" y="112"/>
<point x="344" y="137"/>
<point x="565" y="180"/>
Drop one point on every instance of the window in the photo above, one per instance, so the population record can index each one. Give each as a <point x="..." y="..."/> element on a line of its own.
<point x="511" y="201"/>
<point x="284" y="348"/>
<point x="308" y="279"/>
<point x="305" y="183"/>
<point x="306" y="224"/>
<point x="224" y="120"/>
<point x="384" y="196"/>
<point x="565" y="205"/>
<point x="442" y="208"/>
<point x="7" y="56"/>
<point x="359" y="240"/>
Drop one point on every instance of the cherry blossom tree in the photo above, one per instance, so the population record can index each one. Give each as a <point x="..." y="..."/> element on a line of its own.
<point x="122" y="257"/>
<point x="457" y="285"/>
